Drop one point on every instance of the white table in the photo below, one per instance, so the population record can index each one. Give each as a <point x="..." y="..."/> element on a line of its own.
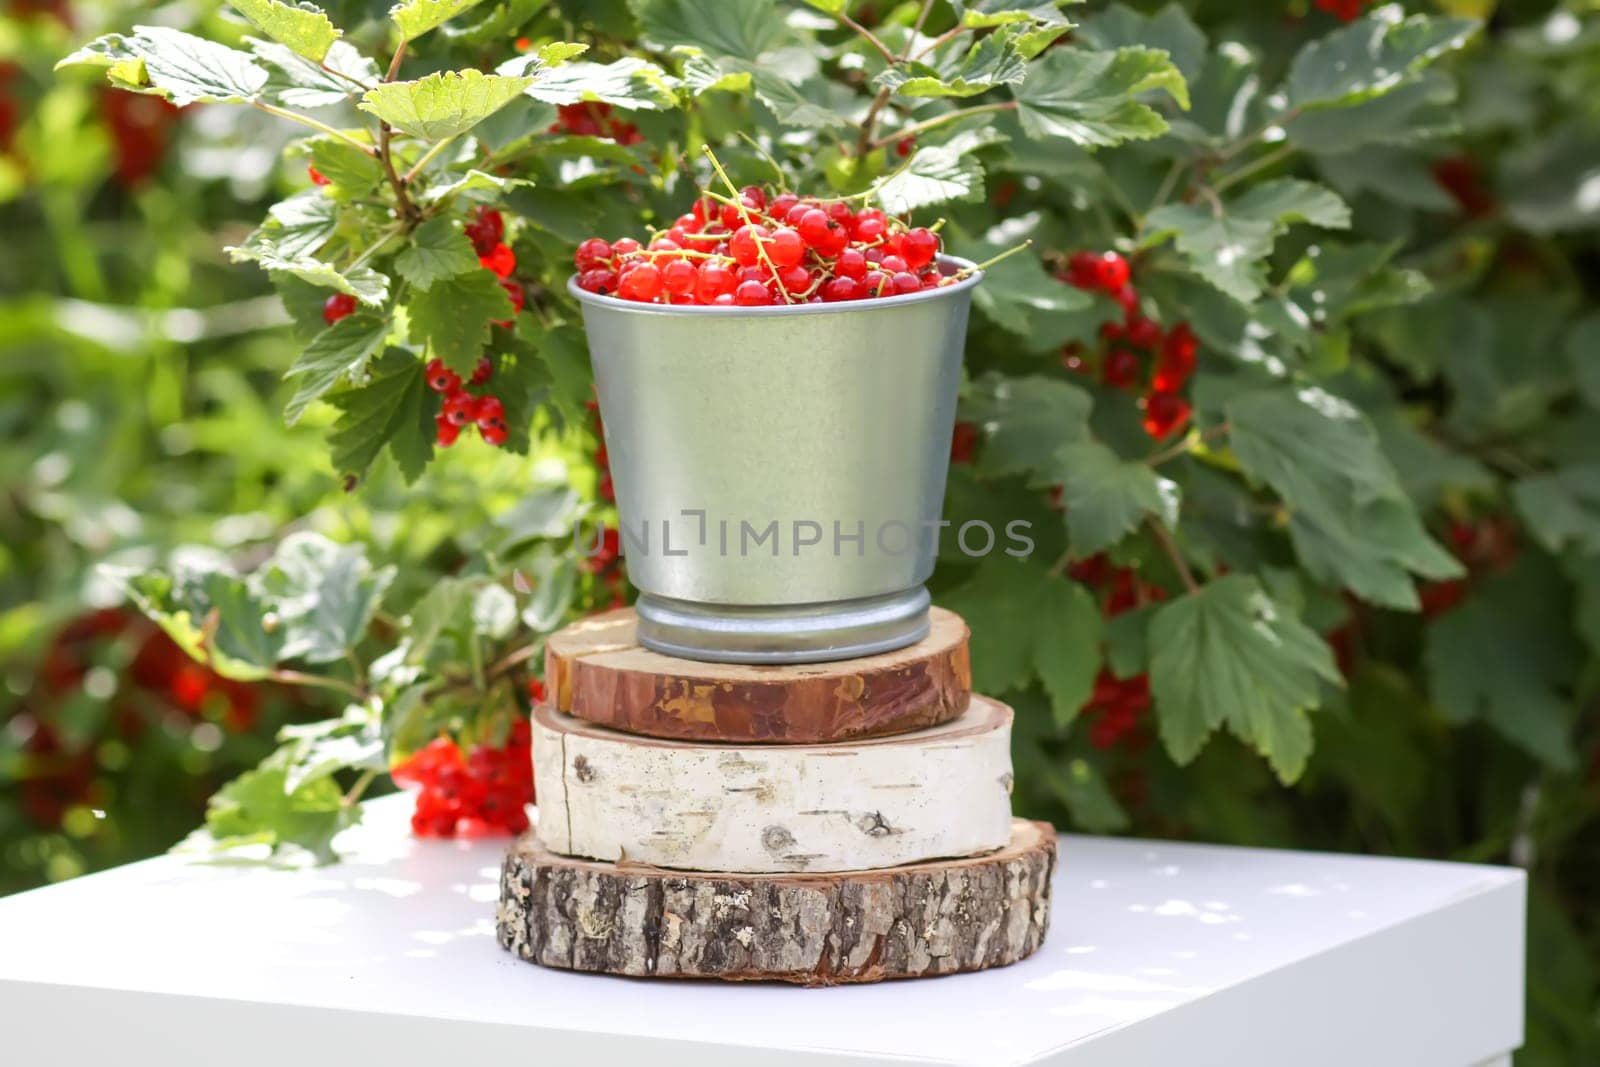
<point x="1159" y="955"/>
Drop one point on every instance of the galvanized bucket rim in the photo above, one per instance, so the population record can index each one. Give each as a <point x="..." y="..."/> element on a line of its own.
<point x="616" y="303"/>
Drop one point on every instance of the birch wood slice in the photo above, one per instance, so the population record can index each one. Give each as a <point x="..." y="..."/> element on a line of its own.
<point x="596" y="670"/>
<point x="812" y="929"/>
<point x="856" y="805"/>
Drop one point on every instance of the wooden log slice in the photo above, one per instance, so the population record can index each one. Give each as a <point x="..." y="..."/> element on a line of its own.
<point x="813" y="929"/>
<point x="596" y="670"/>
<point x="856" y="805"/>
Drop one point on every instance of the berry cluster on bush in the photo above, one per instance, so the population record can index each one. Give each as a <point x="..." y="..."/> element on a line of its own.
<point x="763" y="249"/>
<point x="482" y="793"/>
<point x="1117" y="706"/>
<point x="594" y="118"/>
<point x="1136" y="352"/>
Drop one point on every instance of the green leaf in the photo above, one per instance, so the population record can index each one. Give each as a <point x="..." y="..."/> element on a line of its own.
<point x="1025" y="421"/>
<point x="629" y="83"/>
<point x="417" y="17"/>
<point x="788" y="102"/>
<point x="453" y="317"/>
<point x="297" y="82"/>
<point x="1018" y="291"/>
<point x="339" y="353"/>
<point x="258" y="807"/>
<point x="1089" y="800"/>
<point x="443" y="105"/>
<point x="1227" y="655"/>
<point x="1507" y="656"/>
<point x="564" y="354"/>
<point x="1025" y="623"/>
<point x="1225" y="244"/>
<point x="1563" y="509"/>
<point x="936" y="175"/>
<point x="306" y="30"/>
<point x="294" y="228"/>
<point x="323" y="593"/>
<point x="1370" y="57"/>
<point x="345" y="165"/>
<point x="740" y="28"/>
<point x="1088" y="98"/>
<point x="992" y="61"/>
<point x="438" y="249"/>
<point x="179" y="66"/>
<point x="363" y="283"/>
<point x="1106" y="497"/>
<point x="472" y="181"/>
<point x="1351" y="521"/>
<point x="494" y="613"/>
<point x="209" y="612"/>
<point x="1420" y="110"/>
<point x="353" y="741"/>
<point x="1038" y="22"/>
<point x="1170" y="29"/>
<point x="552" y="597"/>
<point x="393" y="409"/>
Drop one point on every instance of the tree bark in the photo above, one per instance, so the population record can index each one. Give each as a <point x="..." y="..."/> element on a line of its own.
<point x="855" y="805"/>
<point x="811" y="929"/>
<point x="597" y="671"/>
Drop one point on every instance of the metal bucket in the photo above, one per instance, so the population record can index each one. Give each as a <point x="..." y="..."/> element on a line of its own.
<point x="780" y="471"/>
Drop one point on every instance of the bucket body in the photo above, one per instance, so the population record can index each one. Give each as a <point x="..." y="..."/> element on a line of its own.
<point x="780" y="471"/>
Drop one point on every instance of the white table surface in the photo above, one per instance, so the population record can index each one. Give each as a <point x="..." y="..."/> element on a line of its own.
<point x="1158" y="954"/>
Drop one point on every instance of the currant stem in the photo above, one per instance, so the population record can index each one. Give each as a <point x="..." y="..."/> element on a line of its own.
<point x="1170" y="547"/>
<point x="967" y="272"/>
<point x="428" y="157"/>
<point x="307" y="120"/>
<point x="940" y="120"/>
<point x="868" y="36"/>
<point x="744" y="213"/>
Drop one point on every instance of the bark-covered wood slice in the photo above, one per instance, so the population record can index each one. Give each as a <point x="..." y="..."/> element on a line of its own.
<point x="596" y="669"/>
<point x="813" y="929"/>
<point x="854" y="805"/>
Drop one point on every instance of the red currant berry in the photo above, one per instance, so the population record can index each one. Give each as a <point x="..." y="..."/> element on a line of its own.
<point x="642" y="283"/>
<point x="840" y="288"/>
<point x="893" y="264"/>
<point x="905" y="146"/>
<point x="755" y="195"/>
<point x="1127" y="298"/>
<point x="751" y="294"/>
<point x="782" y="204"/>
<point x="316" y="176"/>
<point x="488" y="410"/>
<point x="446" y="432"/>
<point x="815" y="227"/>
<point x="1143" y="332"/>
<point x="1121" y="369"/>
<point x="338" y="306"/>
<point x="598" y="280"/>
<point x="745" y="244"/>
<point x="624" y="246"/>
<point x="1113" y="271"/>
<point x="501" y="260"/>
<point x="481" y="373"/>
<point x="905" y="282"/>
<point x="851" y="264"/>
<point x="713" y="280"/>
<point x="459" y="408"/>
<point x="679" y="277"/>
<point x="869" y="229"/>
<point x="963" y="442"/>
<point x="795" y="279"/>
<point x="591" y="254"/>
<point x="919" y="246"/>
<point x="786" y="247"/>
<point x="495" y="434"/>
<point x="1164" y="413"/>
<point x="442" y="379"/>
<point x="518" y="298"/>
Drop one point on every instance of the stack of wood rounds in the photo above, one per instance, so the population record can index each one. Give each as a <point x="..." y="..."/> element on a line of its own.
<point x="818" y="823"/>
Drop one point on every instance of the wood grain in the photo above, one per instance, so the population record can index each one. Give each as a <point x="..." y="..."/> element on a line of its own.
<point x="597" y="671"/>
<point x="853" y="805"/>
<point x="811" y="929"/>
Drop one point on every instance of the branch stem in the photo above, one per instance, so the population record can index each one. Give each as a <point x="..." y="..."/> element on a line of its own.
<point x="1170" y="547"/>
<point x="307" y="120"/>
<point x="940" y="120"/>
<point x="427" y="157"/>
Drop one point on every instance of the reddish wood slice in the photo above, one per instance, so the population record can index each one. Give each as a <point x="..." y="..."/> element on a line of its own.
<point x="596" y="670"/>
<point x="917" y="921"/>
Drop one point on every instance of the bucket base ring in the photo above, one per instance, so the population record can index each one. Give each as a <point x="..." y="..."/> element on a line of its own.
<point x="791" y="633"/>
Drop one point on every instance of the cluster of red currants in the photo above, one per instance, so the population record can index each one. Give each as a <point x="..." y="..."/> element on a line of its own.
<point x="1343" y="10"/>
<point x="1175" y="352"/>
<point x="594" y="119"/>
<point x="759" y="250"/>
<point x="1463" y="179"/>
<point x="487" y="232"/>
<point x="462" y="408"/>
<point x="1114" y="710"/>
<point x="477" y="795"/>
<point x="141" y="129"/>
